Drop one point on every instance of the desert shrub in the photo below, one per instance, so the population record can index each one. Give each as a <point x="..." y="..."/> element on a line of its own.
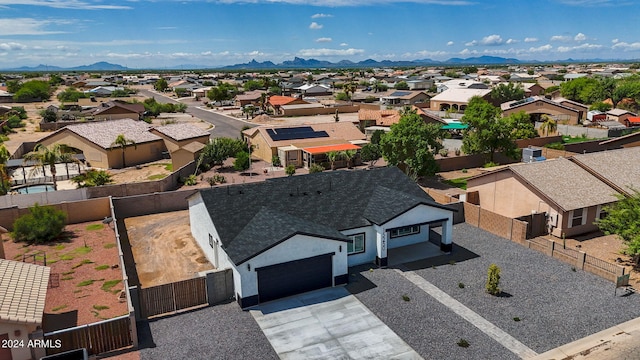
<point x="444" y="152"/>
<point x="290" y="170"/>
<point x="42" y="224"/>
<point x="275" y="161"/>
<point x="315" y="168"/>
<point x="493" y="280"/>
<point x="490" y="164"/>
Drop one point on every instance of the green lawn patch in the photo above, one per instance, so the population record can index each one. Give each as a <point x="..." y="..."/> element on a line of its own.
<point x="110" y="284"/>
<point x="83" y="262"/>
<point x="102" y="267"/>
<point x="66" y="257"/>
<point x="87" y="282"/>
<point x="58" y="308"/>
<point x="59" y="247"/>
<point x="168" y="167"/>
<point x="94" y="227"/>
<point x="459" y="182"/>
<point x="100" y="307"/>
<point x="67" y="278"/>
<point x="83" y="250"/>
<point x="68" y="272"/>
<point x="110" y="245"/>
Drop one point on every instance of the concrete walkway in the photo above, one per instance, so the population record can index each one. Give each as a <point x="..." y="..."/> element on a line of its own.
<point x="476" y="320"/>
<point x="328" y="324"/>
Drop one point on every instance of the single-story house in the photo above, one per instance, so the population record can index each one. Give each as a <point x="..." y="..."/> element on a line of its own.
<point x="537" y="105"/>
<point x="290" y="235"/>
<point x="299" y="144"/>
<point x="22" y="299"/>
<point x="404" y="97"/>
<point x="276" y="101"/>
<point x="184" y="143"/>
<point x="113" y="110"/>
<point x="621" y="116"/>
<point x="248" y="98"/>
<point x="313" y="90"/>
<point x="103" y="90"/>
<point x="457" y="98"/>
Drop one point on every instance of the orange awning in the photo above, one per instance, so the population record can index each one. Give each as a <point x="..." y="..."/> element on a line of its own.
<point x="326" y="149"/>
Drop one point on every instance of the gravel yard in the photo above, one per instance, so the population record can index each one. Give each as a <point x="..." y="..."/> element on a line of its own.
<point x="218" y="332"/>
<point x="555" y="304"/>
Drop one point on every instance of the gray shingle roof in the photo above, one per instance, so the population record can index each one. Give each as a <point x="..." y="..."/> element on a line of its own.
<point x="104" y="133"/>
<point x="322" y="204"/>
<point x="565" y="183"/>
<point x="180" y="132"/>
<point x="620" y="167"/>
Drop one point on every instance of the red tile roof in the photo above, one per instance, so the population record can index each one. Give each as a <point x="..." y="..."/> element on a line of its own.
<point x="634" y="120"/>
<point x="276" y="100"/>
<point x="326" y="149"/>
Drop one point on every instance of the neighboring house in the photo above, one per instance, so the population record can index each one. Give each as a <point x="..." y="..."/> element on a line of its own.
<point x="420" y="84"/>
<point x="290" y="235"/>
<point x="23" y="289"/>
<point x="314" y="90"/>
<point x="248" y="98"/>
<point x="184" y="142"/>
<point x="580" y="107"/>
<point x="95" y="141"/>
<point x="536" y="106"/>
<point x="532" y="89"/>
<point x="385" y="118"/>
<point x="103" y="91"/>
<point x="303" y="145"/>
<point x="275" y="102"/>
<point x="404" y="97"/>
<point x="572" y="191"/>
<point x="457" y="98"/>
<point x="114" y="110"/>
<point x="621" y="116"/>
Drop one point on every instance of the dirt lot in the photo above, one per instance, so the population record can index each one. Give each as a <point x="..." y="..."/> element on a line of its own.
<point x="89" y="278"/>
<point x="163" y="248"/>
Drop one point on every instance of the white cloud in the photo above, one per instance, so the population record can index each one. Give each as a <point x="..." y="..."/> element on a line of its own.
<point x="319" y="16"/>
<point x="330" y="52"/>
<point x="471" y="43"/>
<point x="28" y="26"/>
<point x="530" y="39"/>
<point x="66" y="4"/>
<point x="430" y="54"/>
<point x="615" y="41"/>
<point x="626" y="46"/>
<point x="12" y="46"/>
<point x="324" y="39"/>
<point x="344" y="44"/>
<point x="587" y="3"/>
<point x="450" y="43"/>
<point x="491" y="40"/>
<point x="467" y="52"/>
<point x="315" y="26"/>
<point x="542" y="48"/>
<point x="561" y="38"/>
<point x="580" y="37"/>
<point x="511" y="41"/>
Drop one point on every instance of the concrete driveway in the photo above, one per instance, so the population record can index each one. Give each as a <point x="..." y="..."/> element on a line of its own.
<point x="328" y="324"/>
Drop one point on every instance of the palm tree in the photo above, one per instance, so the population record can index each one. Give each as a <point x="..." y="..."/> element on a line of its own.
<point x="332" y="156"/>
<point x="122" y="142"/>
<point x="44" y="156"/>
<point x="549" y="125"/>
<point x="348" y="155"/>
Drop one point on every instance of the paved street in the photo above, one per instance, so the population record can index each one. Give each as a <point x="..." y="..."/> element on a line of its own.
<point x="224" y="126"/>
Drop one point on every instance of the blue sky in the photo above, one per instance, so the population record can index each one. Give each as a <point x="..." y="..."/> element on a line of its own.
<point x="166" y="33"/>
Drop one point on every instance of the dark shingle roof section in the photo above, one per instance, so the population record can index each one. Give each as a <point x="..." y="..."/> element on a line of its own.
<point x="269" y="228"/>
<point x="336" y="200"/>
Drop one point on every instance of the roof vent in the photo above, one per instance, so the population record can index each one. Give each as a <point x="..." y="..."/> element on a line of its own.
<point x="318" y="192"/>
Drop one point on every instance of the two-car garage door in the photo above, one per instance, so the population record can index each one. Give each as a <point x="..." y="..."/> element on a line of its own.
<point x="294" y="277"/>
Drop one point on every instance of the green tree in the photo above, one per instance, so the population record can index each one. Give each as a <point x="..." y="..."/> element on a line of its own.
<point x="71" y="95"/>
<point x="507" y="92"/>
<point x="241" y="163"/>
<point x="220" y="149"/>
<point x="580" y="89"/>
<point x="370" y="153"/>
<point x="251" y="85"/>
<point x="92" y="178"/>
<point x="469" y="69"/>
<point x="290" y="170"/>
<point x="493" y="280"/>
<point x="122" y="142"/>
<point x="44" y="156"/>
<point x="411" y="145"/>
<point x="600" y="106"/>
<point x="549" y="125"/>
<point x="161" y="85"/>
<point x="34" y="90"/>
<point x="42" y="224"/>
<point x="488" y="132"/>
<point x="348" y="155"/>
<point x="623" y="219"/>
<point x="333" y="156"/>
<point x="401" y="85"/>
<point x="49" y="116"/>
<point x="342" y="96"/>
<point x="222" y="92"/>
<point x="5" y="185"/>
<point x="376" y="136"/>
<point x="522" y="126"/>
<point x="13" y="86"/>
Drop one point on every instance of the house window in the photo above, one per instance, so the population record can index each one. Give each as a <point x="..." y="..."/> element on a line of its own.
<point x="578" y="217"/>
<point x="356" y="245"/>
<point x="211" y="241"/>
<point x="601" y="213"/>
<point x="405" y="230"/>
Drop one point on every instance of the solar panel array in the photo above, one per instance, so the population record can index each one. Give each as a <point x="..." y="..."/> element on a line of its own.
<point x="303" y="132"/>
<point x="400" y="93"/>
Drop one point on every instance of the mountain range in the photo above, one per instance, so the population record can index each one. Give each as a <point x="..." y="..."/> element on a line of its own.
<point x="300" y="63"/>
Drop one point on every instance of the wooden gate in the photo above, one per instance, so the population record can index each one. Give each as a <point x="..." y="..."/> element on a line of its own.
<point x="173" y="297"/>
<point x="97" y="338"/>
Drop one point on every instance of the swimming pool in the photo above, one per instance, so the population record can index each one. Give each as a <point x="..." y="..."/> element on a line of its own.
<point x="32" y="189"/>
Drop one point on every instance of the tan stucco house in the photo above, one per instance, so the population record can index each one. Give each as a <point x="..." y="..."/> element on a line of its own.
<point x="302" y="145"/>
<point x="184" y="142"/>
<point x="537" y="105"/>
<point x="23" y="289"/>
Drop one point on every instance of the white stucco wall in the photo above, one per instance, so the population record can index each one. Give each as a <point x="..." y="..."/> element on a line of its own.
<point x="19" y="353"/>
<point x="369" y="254"/>
<point x="297" y="247"/>
<point x="419" y="214"/>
